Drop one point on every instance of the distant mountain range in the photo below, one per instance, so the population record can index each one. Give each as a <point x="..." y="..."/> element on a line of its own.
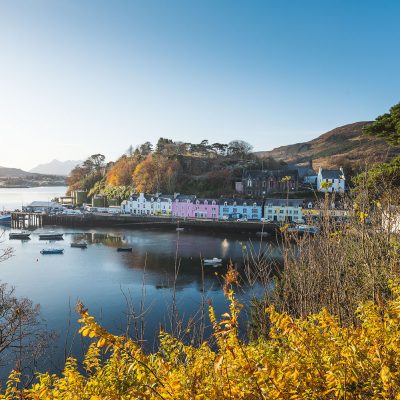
<point x="56" y="167"/>
<point x="346" y="145"/>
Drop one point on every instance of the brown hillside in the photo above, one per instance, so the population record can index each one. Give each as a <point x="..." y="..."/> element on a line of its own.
<point x="344" y="145"/>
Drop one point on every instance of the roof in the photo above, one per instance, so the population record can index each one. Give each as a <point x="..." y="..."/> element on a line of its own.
<point x="284" y="202"/>
<point x="51" y="204"/>
<point x="332" y="174"/>
<point x="303" y="170"/>
<point x="185" y="197"/>
<point x="240" y="202"/>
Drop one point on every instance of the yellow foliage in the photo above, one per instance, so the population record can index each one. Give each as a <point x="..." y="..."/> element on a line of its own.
<point x="312" y="358"/>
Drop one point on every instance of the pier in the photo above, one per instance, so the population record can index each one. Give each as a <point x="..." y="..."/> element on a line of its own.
<point x="23" y="220"/>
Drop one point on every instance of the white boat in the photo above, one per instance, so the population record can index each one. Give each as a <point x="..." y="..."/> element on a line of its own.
<point x="214" y="260"/>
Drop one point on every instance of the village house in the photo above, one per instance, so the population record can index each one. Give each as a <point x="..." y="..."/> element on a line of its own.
<point x="239" y="208"/>
<point x="147" y="205"/>
<point x="283" y="210"/>
<point x="260" y="183"/>
<point x="206" y="208"/>
<point x="43" y="206"/>
<point x="334" y="177"/>
<point x="183" y="206"/>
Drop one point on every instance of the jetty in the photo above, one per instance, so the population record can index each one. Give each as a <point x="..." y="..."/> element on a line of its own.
<point x="93" y="220"/>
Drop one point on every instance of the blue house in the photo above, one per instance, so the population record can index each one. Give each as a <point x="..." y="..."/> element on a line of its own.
<point x="238" y="208"/>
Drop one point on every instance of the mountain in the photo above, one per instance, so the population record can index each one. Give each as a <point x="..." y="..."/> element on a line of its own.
<point x="345" y="145"/>
<point x="56" y="167"/>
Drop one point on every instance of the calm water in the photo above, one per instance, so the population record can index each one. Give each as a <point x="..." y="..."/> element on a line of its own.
<point x="12" y="199"/>
<point x="102" y="278"/>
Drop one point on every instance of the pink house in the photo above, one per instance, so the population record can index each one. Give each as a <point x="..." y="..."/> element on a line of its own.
<point x="183" y="206"/>
<point x="206" y="208"/>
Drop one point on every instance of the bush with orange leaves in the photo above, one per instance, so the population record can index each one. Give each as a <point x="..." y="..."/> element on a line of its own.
<point x="311" y="358"/>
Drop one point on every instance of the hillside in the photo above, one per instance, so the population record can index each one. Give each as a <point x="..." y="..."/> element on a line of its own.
<point x="56" y="167"/>
<point x="13" y="173"/>
<point x="343" y="145"/>
<point x="15" y="177"/>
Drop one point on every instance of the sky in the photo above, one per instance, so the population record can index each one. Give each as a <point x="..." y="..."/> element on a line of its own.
<point x="79" y="77"/>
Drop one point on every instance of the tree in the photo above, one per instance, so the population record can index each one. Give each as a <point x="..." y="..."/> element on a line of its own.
<point x="387" y="126"/>
<point x="239" y="148"/>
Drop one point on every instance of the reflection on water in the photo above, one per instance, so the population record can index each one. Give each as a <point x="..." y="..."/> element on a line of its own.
<point x="102" y="278"/>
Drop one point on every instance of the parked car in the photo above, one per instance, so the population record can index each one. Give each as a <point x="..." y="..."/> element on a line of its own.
<point x="241" y="220"/>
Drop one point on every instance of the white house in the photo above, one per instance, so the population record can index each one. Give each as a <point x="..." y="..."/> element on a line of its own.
<point x="147" y="205"/>
<point x="335" y="178"/>
<point x="281" y="210"/>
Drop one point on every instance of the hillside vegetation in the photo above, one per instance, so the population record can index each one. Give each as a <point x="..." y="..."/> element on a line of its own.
<point x="346" y="146"/>
<point x="203" y="169"/>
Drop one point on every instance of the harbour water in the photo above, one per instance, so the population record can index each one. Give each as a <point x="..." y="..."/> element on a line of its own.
<point x="107" y="281"/>
<point x="14" y="198"/>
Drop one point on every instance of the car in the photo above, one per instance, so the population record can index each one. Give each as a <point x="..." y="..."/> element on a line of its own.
<point x="265" y="220"/>
<point x="241" y="220"/>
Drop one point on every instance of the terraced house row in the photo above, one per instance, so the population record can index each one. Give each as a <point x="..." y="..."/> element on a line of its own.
<point x="189" y="206"/>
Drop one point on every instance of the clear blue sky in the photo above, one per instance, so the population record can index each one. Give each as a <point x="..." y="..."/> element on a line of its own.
<point x="79" y="77"/>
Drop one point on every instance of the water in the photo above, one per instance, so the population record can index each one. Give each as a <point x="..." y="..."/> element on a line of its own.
<point x="103" y="278"/>
<point x="14" y="198"/>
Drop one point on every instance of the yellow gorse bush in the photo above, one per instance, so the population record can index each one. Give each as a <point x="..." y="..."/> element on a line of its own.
<point x="312" y="358"/>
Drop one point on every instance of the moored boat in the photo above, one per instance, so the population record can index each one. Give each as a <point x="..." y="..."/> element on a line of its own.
<point x="19" y="235"/>
<point x="52" y="251"/>
<point x="212" y="261"/>
<point x="5" y="218"/>
<point x="51" y="236"/>
<point x="79" y="245"/>
<point x="124" y="249"/>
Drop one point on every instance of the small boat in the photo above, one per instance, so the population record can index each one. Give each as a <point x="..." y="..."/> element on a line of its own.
<point x="79" y="245"/>
<point x="51" y="236"/>
<point x="125" y="249"/>
<point x="20" y="235"/>
<point x="52" y="251"/>
<point x="180" y="229"/>
<point x="5" y="218"/>
<point x="304" y="229"/>
<point x="213" y="261"/>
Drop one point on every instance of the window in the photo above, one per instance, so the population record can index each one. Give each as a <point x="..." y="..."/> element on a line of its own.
<point x="269" y="211"/>
<point x="295" y="211"/>
<point x="225" y="210"/>
<point x="226" y="203"/>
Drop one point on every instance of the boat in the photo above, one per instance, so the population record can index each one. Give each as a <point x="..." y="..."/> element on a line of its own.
<point x="212" y="261"/>
<point x="180" y="229"/>
<point x="304" y="229"/>
<point x="52" y="251"/>
<point x="51" y="236"/>
<point x="19" y="235"/>
<point x="124" y="249"/>
<point x="79" y="245"/>
<point x="5" y="218"/>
